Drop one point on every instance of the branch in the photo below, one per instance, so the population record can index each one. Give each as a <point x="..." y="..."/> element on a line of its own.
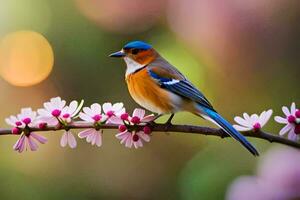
<point x="173" y="128"/>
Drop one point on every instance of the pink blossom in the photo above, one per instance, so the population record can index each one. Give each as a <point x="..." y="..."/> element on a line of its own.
<point x="253" y="122"/>
<point x="133" y="138"/>
<point x="27" y="117"/>
<point x="56" y="111"/>
<point x="111" y="110"/>
<point x="92" y="136"/>
<point x="291" y="122"/>
<point x="94" y="115"/>
<point x="68" y="139"/>
<point x="70" y="111"/>
<point x="129" y="134"/>
<point x="29" y="141"/>
<point x="52" y="111"/>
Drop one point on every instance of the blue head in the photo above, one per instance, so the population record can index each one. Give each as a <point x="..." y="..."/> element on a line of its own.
<point x="137" y="45"/>
<point x="138" y="51"/>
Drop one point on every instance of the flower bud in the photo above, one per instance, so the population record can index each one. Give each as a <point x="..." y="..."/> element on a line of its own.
<point x="26" y="120"/>
<point x="135" y="120"/>
<point x="56" y="113"/>
<point x="135" y="137"/>
<point x="124" y="116"/>
<point x="42" y="125"/>
<point x="122" y="128"/>
<point x="15" y="130"/>
<point x="297" y="129"/>
<point x="147" y="130"/>
<point x="291" y="119"/>
<point x="256" y="127"/>
<point x="297" y="113"/>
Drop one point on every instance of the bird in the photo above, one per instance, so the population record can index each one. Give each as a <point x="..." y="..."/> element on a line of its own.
<point x="159" y="87"/>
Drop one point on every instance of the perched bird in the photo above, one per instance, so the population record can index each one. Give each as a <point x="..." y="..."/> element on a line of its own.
<point x="159" y="87"/>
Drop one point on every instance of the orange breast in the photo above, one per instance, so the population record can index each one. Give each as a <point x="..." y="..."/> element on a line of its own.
<point x="145" y="91"/>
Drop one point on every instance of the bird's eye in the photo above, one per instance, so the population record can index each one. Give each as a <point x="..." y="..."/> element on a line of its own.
<point x="135" y="51"/>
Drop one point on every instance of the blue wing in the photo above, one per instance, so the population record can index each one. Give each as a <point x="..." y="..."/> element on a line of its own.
<point x="182" y="88"/>
<point x="185" y="89"/>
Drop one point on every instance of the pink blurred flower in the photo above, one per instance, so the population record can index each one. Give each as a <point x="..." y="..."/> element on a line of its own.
<point x="122" y="16"/>
<point x="29" y="141"/>
<point x="68" y="139"/>
<point x="27" y="117"/>
<point x="278" y="178"/>
<point x="253" y="122"/>
<point x="291" y="122"/>
<point x="129" y="134"/>
<point x="92" y="114"/>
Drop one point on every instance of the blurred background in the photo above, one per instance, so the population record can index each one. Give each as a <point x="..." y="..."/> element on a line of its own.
<point x="243" y="54"/>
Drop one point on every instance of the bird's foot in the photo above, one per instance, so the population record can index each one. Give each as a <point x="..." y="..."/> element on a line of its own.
<point x="168" y="123"/>
<point x="153" y="123"/>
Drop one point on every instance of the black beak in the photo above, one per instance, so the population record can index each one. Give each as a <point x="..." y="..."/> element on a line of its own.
<point x="118" y="54"/>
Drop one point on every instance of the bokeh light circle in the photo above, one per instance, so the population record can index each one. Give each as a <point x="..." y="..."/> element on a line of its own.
<point x="26" y="58"/>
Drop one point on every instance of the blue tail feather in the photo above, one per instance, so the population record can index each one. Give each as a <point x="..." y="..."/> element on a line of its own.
<point x="228" y="128"/>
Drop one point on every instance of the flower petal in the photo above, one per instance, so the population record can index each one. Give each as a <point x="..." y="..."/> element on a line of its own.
<point x="72" y="108"/>
<point x="86" y="133"/>
<point x="64" y="139"/>
<point x="292" y="135"/>
<point x="143" y="136"/>
<point x="19" y="142"/>
<point x="246" y="117"/>
<point x="264" y="118"/>
<point x="114" y="120"/>
<point x="242" y="121"/>
<point x="125" y="138"/>
<point x="71" y="140"/>
<point x="117" y="107"/>
<point x="120" y="112"/>
<point x="43" y="112"/>
<point x="293" y="108"/>
<point x="285" y="129"/>
<point x="135" y="144"/>
<point x="254" y="119"/>
<point x="88" y="111"/>
<point x="281" y="120"/>
<point x="48" y="107"/>
<point x="11" y="120"/>
<point x="107" y="107"/>
<point x="96" y="108"/>
<point x="85" y="117"/>
<point x="32" y="144"/>
<point x="286" y="111"/>
<point x="39" y="138"/>
<point x="99" y="139"/>
<point x="122" y="135"/>
<point x="242" y="128"/>
<point x="89" y="138"/>
<point x="22" y="144"/>
<point x="148" y="118"/>
<point x="138" y="112"/>
<point x="93" y="138"/>
<point x="129" y="142"/>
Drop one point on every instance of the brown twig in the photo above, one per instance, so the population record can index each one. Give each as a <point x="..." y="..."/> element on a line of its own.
<point x="174" y="128"/>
